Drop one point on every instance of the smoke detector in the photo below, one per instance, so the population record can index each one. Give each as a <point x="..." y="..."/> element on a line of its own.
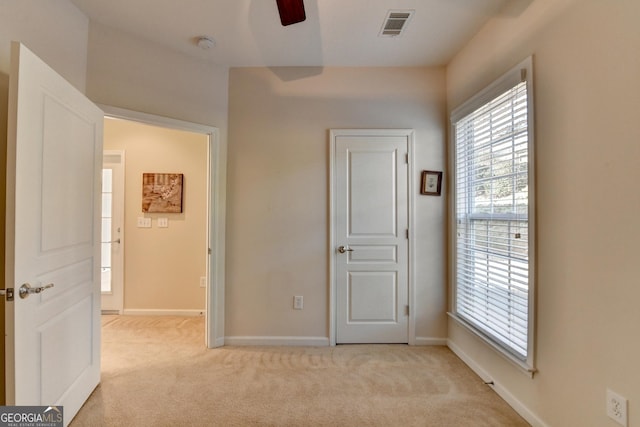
<point x="205" y="42"/>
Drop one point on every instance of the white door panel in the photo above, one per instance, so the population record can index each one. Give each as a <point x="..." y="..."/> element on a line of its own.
<point x="54" y="158"/>
<point x="370" y="177"/>
<point x="370" y="221"/>
<point x="372" y="297"/>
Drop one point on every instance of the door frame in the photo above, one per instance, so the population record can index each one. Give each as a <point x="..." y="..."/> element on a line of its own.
<point x="216" y="193"/>
<point x="412" y="184"/>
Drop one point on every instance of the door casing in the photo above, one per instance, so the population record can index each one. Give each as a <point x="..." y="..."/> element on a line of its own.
<point x="412" y="184"/>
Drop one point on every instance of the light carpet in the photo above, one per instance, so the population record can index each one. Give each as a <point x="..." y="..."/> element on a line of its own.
<point x="157" y="372"/>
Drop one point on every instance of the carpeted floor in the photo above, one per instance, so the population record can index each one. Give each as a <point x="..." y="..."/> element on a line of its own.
<point x="157" y="372"/>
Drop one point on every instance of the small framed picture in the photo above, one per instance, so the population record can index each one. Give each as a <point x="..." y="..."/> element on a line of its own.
<point x="431" y="183"/>
<point x="162" y="192"/>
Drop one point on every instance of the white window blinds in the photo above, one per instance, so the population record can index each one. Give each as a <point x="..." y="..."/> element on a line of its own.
<point x="492" y="199"/>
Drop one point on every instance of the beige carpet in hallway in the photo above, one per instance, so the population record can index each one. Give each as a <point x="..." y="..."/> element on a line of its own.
<point x="157" y="372"/>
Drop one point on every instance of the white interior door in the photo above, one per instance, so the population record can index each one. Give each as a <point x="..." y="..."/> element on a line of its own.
<point x="54" y="164"/>
<point x="370" y="203"/>
<point x="112" y="258"/>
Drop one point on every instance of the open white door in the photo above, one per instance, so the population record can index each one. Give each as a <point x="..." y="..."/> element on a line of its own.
<point x="54" y="165"/>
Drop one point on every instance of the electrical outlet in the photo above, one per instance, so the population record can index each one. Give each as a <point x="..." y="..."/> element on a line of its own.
<point x="203" y="282"/>
<point x="297" y="303"/>
<point x="617" y="407"/>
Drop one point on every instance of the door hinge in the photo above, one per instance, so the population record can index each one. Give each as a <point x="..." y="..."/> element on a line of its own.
<point x="407" y="233"/>
<point x="8" y="292"/>
<point x="406" y="158"/>
<point x="406" y="310"/>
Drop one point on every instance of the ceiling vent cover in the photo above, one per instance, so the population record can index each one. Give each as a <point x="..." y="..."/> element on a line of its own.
<point x="395" y="22"/>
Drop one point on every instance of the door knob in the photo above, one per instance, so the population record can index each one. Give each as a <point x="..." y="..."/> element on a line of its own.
<point x="342" y="249"/>
<point x="26" y="289"/>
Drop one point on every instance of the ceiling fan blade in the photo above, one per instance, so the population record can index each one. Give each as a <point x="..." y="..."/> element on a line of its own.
<point x="291" y="11"/>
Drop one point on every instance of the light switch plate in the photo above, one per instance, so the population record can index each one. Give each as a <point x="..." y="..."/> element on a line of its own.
<point x="163" y="222"/>
<point x="143" y="222"/>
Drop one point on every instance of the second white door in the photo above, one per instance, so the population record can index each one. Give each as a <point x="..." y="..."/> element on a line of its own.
<point x="371" y="236"/>
<point x="112" y="261"/>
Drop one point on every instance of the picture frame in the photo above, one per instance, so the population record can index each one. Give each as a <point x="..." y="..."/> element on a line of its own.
<point x="162" y="192"/>
<point x="431" y="183"/>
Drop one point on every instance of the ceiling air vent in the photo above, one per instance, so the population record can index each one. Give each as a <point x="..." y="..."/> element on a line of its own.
<point x="396" y="22"/>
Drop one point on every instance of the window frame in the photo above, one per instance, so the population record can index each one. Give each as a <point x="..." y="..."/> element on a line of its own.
<point x="522" y="72"/>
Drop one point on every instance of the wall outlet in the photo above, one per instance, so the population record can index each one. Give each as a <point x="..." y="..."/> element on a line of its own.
<point x="297" y="303"/>
<point x="617" y="407"/>
<point x="203" y="282"/>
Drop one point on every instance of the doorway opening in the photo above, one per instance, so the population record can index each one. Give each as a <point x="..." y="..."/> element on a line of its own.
<point x="172" y="258"/>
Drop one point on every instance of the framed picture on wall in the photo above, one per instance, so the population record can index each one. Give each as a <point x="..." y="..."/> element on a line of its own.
<point x="162" y="192"/>
<point x="431" y="183"/>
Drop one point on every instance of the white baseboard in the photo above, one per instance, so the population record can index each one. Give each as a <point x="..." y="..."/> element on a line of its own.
<point x="484" y="375"/>
<point x="147" y="312"/>
<point x="308" y="341"/>
<point x="278" y="341"/>
<point x="501" y="391"/>
<point x="430" y="341"/>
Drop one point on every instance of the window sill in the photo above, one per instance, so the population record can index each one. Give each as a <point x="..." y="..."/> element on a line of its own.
<point x="522" y="366"/>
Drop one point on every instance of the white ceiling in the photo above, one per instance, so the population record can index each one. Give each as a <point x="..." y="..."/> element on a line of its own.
<point x="336" y="32"/>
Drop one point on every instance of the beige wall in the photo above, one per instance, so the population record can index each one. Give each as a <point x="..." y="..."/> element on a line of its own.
<point x="163" y="266"/>
<point x="587" y="101"/>
<point x="128" y="72"/>
<point x="277" y="222"/>
<point x="56" y="31"/>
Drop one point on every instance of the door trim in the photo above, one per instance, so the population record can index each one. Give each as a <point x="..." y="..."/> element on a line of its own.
<point x="217" y="165"/>
<point x="412" y="183"/>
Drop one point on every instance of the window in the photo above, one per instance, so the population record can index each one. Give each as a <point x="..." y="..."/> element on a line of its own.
<point x="493" y="198"/>
<point x="107" y="217"/>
